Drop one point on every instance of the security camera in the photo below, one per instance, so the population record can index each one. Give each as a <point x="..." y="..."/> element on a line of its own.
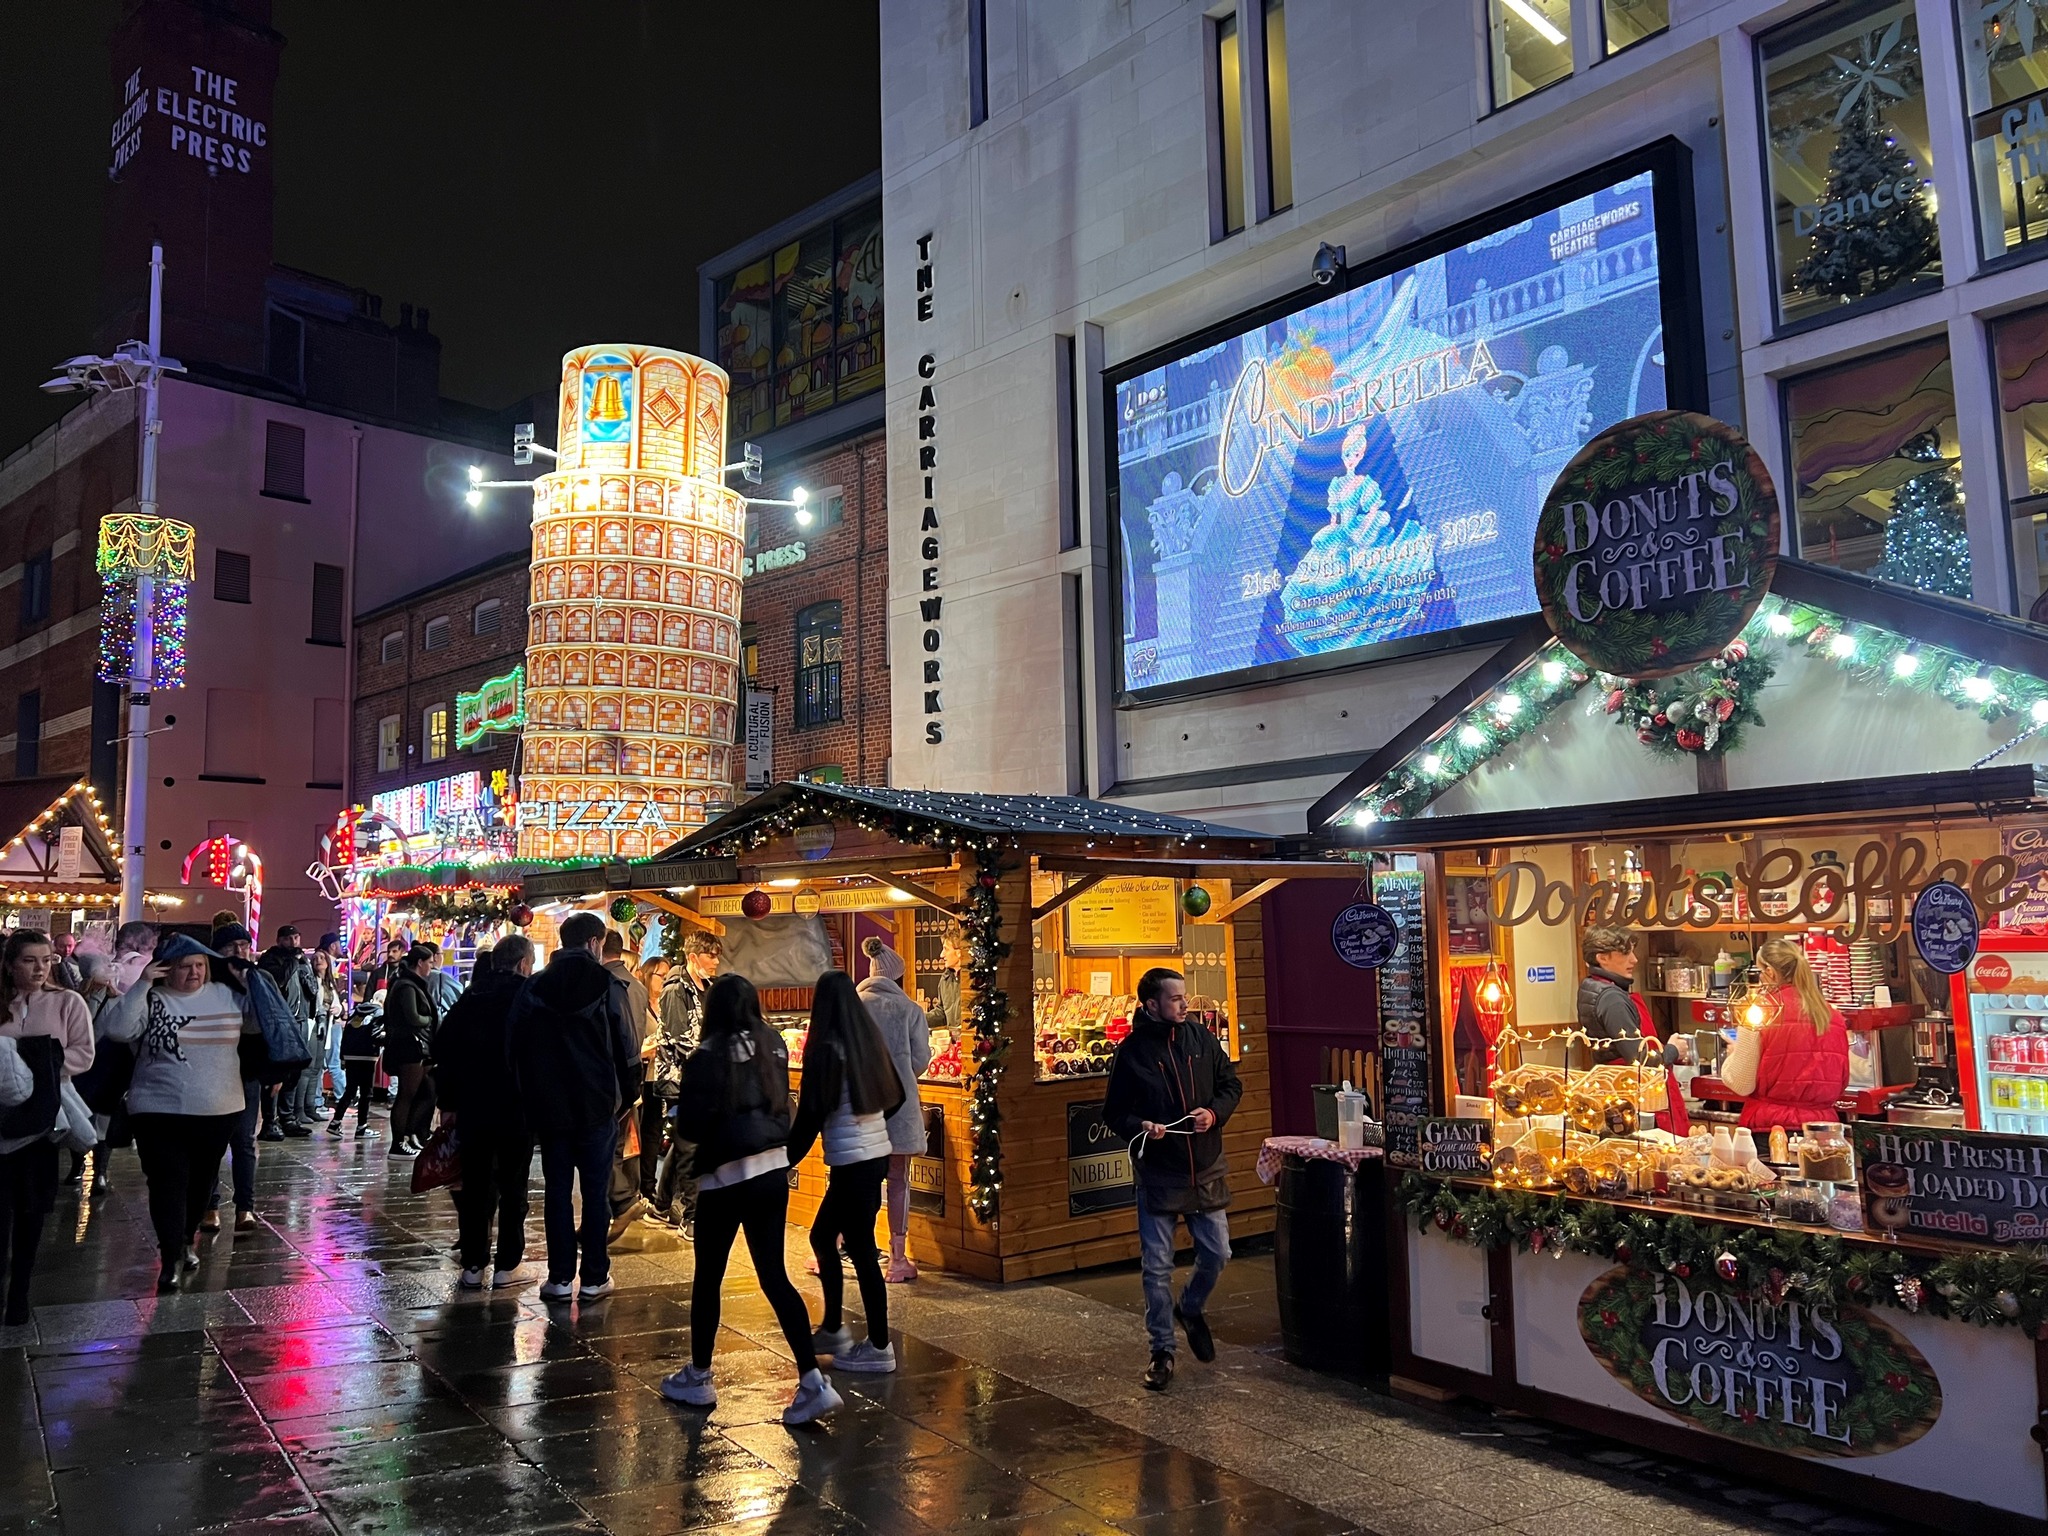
<point x="1328" y="263"/>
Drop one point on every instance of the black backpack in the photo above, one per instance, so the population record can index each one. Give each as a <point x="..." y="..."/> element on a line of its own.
<point x="43" y="1055"/>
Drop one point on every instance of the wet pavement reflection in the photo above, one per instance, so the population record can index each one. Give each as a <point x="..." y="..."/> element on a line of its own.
<point x="323" y="1373"/>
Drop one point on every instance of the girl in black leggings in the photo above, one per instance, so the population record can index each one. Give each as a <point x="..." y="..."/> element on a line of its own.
<point x="360" y="1040"/>
<point x="734" y="1108"/>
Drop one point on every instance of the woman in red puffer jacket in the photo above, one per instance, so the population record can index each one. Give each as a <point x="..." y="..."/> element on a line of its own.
<point x="1794" y="1068"/>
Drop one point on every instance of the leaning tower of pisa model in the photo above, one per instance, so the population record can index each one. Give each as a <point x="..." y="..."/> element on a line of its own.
<point x="632" y="654"/>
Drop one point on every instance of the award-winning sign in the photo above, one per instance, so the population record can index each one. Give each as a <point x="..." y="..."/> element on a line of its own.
<point x="1456" y="1149"/>
<point x="1656" y="544"/>
<point x="498" y="705"/>
<point x="1966" y="1186"/>
<point x="1365" y="936"/>
<point x="1790" y="1376"/>
<point x="1945" y="927"/>
<point x="1099" y="1175"/>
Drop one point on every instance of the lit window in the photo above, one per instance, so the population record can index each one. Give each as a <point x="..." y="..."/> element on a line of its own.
<point x="1852" y="210"/>
<point x="818" y="650"/>
<point x="1279" y="113"/>
<point x="1230" y="122"/>
<point x="434" y="734"/>
<point x="1630" y="21"/>
<point x="1532" y="46"/>
<point x="750" y="650"/>
<point x="2005" y="70"/>
<point x="389" y="746"/>
<point x="2020" y="345"/>
<point x="1877" y="469"/>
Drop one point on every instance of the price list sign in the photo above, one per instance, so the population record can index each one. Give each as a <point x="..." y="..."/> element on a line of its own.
<point x="1404" y="1018"/>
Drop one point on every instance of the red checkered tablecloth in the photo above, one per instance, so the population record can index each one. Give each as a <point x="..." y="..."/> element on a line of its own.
<point x="1275" y="1148"/>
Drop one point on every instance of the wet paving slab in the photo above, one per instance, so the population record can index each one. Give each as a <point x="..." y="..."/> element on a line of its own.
<point x="324" y="1374"/>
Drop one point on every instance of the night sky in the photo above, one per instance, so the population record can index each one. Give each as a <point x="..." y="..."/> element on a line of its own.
<point x="538" y="175"/>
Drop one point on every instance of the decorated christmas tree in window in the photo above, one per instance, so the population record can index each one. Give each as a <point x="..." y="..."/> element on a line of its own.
<point x="1926" y="543"/>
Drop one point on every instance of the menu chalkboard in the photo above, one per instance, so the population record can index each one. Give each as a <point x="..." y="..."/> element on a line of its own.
<point x="1967" y="1186"/>
<point x="1457" y="1149"/>
<point x="1404" y="1018"/>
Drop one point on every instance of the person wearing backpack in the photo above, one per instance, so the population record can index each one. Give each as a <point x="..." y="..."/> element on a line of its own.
<point x="851" y="1087"/>
<point x="576" y="1062"/>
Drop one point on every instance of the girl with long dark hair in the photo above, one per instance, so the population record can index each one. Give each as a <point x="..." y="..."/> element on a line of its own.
<point x="851" y="1087"/>
<point x="734" y="1107"/>
<point x="31" y="1003"/>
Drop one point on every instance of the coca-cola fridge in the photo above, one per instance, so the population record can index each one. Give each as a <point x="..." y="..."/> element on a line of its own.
<point x="2000" y="1001"/>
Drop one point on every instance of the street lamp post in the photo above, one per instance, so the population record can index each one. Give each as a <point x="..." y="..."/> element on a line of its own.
<point x="137" y="365"/>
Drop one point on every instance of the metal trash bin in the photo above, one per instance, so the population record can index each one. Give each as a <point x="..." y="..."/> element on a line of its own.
<point x="1330" y="1266"/>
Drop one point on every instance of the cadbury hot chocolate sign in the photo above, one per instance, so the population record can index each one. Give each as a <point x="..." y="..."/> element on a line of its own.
<point x="1656" y="544"/>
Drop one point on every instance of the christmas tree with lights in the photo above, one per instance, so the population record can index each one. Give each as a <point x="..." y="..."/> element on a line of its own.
<point x="1926" y="543"/>
<point x="1880" y="237"/>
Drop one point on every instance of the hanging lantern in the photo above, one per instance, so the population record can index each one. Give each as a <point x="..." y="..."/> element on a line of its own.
<point x="1751" y="1004"/>
<point x="1195" y="901"/>
<point x="756" y="905"/>
<point x="1493" y="996"/>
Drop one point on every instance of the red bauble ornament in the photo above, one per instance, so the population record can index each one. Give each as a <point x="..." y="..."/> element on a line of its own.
<point x="1614" y="700"/>
<point x="1735" y="650"/>
<point x="756" y="905"/>
<point x="1443" y="1221"/>
<point x="988" y="879"/>
<point x="521" y="915"/>
<point x="1683" y="1271"/>
<point x="1727" y="1267"/>
<point x="1623" y="1253"/>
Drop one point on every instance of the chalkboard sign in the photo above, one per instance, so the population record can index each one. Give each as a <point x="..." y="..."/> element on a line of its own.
<point x="1456" y="1149"/>
<point x="1966" y="1186"/>
<point x="1404" y="1019"/>
<point x="1098" y="1164"/>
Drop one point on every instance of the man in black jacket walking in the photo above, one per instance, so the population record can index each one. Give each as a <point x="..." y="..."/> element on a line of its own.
<point x="576" y="1063"/>
<point x="1172" y="1085"/>
<point x="474" y="1083"/>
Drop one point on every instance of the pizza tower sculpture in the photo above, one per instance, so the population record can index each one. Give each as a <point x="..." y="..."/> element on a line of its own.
<point x="633" y="647"/>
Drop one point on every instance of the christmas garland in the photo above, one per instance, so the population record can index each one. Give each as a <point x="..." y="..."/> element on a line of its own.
<point x="1702" y="711"/>
<point x="981" y="928"/>
<point x="470" y="906"/>
<point x="2006" y="1287"/>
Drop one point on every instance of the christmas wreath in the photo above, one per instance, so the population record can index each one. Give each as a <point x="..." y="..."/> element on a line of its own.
<point x="1702" y="711"/>
<point x="2003" y="1287"/>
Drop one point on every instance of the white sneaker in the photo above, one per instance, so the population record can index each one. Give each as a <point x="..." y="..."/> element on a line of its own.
<point x="597" y="1292"/>
<point x="557" y="1290"/>
<point x="833" y="1344"/>
<point x="504" y="1277"/>
<point x="472" y="1280"/>
<point x="865" y="1356"/>
<point x="814" y="1399"/>
<point x="692" y="1386"/>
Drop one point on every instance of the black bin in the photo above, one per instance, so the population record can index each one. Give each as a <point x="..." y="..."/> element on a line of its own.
<point x="1330" y="1266"/>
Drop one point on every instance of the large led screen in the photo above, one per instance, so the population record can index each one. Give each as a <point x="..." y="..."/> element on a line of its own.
<point x="1369" y="468"/>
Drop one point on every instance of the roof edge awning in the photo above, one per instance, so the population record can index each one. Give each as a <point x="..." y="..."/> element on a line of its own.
<point x="36" y="812"/>
<point x="2009" y="790"/>
<point x="1990" y="639"/>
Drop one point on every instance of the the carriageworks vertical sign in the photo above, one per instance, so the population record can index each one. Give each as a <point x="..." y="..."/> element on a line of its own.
<point x="929" y="599"/>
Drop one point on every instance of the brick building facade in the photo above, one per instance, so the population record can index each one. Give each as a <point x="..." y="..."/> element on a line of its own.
<point x="413" y="656"/>
<point x="814" y="630"/>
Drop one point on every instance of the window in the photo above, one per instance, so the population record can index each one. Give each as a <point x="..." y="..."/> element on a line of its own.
<point x="435" y="635"/>
<point x="1846" y="125"/>
<point x="1630" y="21"/>
<point x="393" y="648"/>
<point x="817" y="665"/>
<point x="977" y="62"/>
<point x="2020" y="346"/>
<point x="1532" y="46"/>
<point x="1279" y="117"/>
<point x="284" y="460"/>
<point x="434" y="734"/>
<point x="35" y="588"/>
<point x="1230" y="123"/>
<point x="801" y="329"/>
<point x="1876" y="469"/>
<point x="750" y="649"/>
<point x="28" y="734"/>
<point x="833" y="499"/>
<point x="486" y="616"/>
<point x="2005" y="68"/>
<point x="327" y="583"/>
<point x="390" y="754"/>
<point x="230" y="577"/>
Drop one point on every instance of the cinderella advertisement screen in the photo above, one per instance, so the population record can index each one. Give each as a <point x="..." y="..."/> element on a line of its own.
<point x="1368" y="469"/>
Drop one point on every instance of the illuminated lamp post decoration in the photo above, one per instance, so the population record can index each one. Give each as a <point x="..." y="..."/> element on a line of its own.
<point x="633" y="641"/>
<point x="232" y="865"/>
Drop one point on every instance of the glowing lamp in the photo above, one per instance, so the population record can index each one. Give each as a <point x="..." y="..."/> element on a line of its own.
<point x="1978" y="689"/>
<point x="1492" y="995"/>
<point x="633" y="644"/>
<point x="1752" y="1005"/>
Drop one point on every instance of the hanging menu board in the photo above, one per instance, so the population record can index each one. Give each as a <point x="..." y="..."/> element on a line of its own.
<point x="1404" y="1018"/>
<point x="1141" y="912"/>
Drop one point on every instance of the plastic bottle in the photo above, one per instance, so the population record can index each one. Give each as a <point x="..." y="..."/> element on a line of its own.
<point x="1724" y="972"/>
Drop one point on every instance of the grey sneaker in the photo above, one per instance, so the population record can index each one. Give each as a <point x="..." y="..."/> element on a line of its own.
<point x="865" y="1356"/>
<point x="557" y="1290"/>
<point x="835" y="1343"/>
<point x="814" y="1399"/>
<point x="692" y="1386"/>
<point x="597" y="1292"/>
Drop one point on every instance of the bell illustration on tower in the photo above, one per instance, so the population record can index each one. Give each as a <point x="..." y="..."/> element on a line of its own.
<point x="607" y="399"/>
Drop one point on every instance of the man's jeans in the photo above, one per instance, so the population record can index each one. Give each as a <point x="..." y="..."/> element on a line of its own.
<point x="585" y="1158"/>
<point x="1211" y="1232"/>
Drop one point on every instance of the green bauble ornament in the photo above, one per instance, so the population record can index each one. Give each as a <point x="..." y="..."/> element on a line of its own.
<point x="1195" y="901"/>
<point x="625" y="909"/>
